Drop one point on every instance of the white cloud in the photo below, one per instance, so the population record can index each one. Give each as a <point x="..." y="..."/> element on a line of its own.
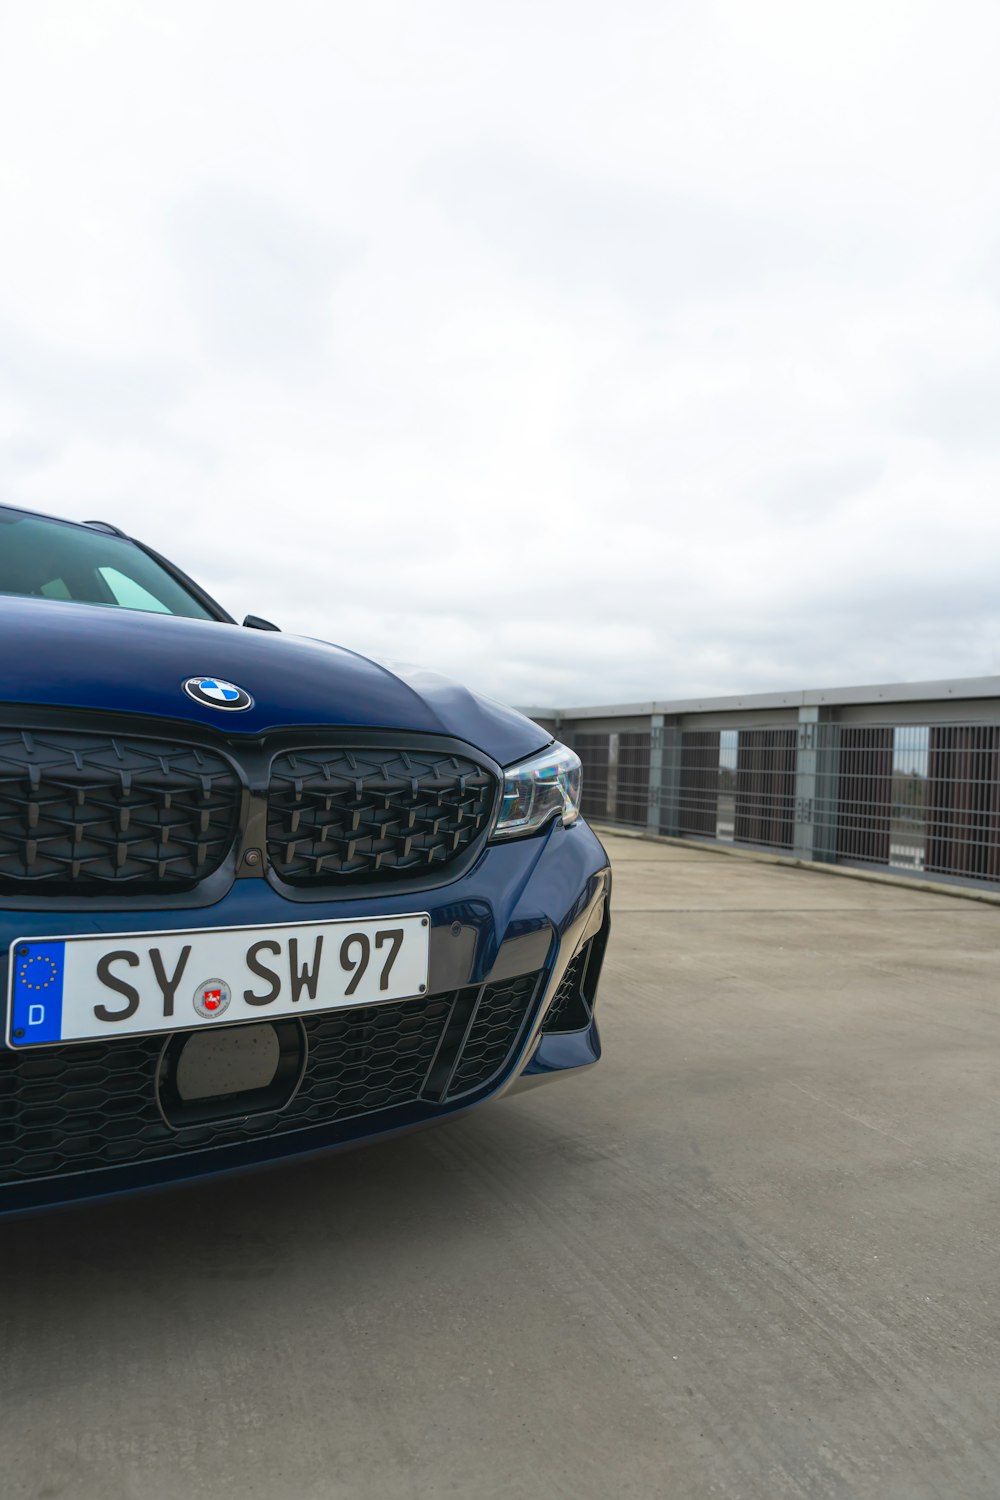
<point x="584" y="352"/>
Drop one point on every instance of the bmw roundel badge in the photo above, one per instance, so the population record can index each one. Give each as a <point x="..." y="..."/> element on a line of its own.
<point x="215" y="693"/>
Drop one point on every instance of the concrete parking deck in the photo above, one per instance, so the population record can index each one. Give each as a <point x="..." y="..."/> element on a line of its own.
<point x="753" y="1254"/>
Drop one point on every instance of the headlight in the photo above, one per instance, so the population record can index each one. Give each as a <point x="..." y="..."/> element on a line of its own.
<point x="545" y="787"/>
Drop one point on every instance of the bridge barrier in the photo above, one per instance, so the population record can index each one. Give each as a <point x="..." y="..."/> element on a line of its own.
<point x="902" y="776"/>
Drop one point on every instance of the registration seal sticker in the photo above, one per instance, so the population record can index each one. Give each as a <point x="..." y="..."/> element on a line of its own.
<point x="211" y="998"/>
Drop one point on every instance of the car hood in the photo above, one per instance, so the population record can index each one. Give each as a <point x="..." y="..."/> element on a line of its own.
<point x="112" y="660"/>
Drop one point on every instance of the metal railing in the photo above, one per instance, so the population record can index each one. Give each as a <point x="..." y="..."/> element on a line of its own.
<point x="904" y="777"/>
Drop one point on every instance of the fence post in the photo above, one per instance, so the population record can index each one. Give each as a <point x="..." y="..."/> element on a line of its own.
<point x="670" y="794"/>
<point x="613" y="744"/>
<point x="805" y="844"/>
<point x="826" y="805"/>
<point x="655" y="772"/>
<point x="664" y="775"/>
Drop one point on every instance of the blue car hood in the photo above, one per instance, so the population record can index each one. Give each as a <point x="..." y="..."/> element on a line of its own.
<point x="113" y="660"/>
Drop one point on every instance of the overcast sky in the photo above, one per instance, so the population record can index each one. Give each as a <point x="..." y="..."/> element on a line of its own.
<point x="587" y="352"/>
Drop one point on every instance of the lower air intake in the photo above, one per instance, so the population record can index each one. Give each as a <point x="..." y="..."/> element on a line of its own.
<point x="572" y="1007"/>
<point x="91" y="1106"/>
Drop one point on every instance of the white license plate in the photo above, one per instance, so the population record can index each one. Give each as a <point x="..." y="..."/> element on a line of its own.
<point x="73" y="989"/>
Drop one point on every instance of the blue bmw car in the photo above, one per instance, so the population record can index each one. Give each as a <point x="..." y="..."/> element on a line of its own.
<point x="259" y="895"/>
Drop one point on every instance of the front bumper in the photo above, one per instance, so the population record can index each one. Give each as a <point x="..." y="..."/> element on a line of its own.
<point x="503" y="935"/>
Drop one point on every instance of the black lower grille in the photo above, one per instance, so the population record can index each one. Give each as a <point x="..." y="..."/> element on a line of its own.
<point x="83" y="813"/>
<point x="572" y="1007"/>
<point x="373" y="814"/>
<point x="91" y="1106"/>
<point x="495" y="1030"/>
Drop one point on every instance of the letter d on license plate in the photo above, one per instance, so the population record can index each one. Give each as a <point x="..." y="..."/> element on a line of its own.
<point x="73" y="989"/>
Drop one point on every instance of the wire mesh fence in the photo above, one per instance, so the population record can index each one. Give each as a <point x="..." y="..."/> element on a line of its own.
<point x="871" y="797"/>
<point x="915" y="798"/>
<point x="594" y="751"/>
<point x="700" y="783"/>
<point x="963" y="806"/>
<point x="632" y="785"/>
<point x="737" y="786"/>
<point x="765" y="787"/>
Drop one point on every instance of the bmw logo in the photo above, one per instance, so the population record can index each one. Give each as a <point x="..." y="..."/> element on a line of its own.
<point x="215" y="693"/>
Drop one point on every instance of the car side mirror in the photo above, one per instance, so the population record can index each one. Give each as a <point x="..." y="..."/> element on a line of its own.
<point x="254" y="622"/>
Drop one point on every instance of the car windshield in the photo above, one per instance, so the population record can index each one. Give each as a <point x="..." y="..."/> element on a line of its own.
<point x="46" y="559"/>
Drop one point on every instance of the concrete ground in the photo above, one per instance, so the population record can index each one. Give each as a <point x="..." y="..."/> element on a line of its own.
<point x="753" y="1254"/>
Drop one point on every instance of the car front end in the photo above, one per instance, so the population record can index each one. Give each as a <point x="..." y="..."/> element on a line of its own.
<point x="347" y="901"/>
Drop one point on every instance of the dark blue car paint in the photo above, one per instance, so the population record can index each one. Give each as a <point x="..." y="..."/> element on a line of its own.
<point x="529" y="902"/>
<point x="110" y="660"/>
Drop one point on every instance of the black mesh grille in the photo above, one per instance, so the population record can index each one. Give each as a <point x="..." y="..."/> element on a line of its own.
<point x="572" y="1007"/>
<point x="93" y="1105"/>
<point x="86" y="812"/>
<point x="66" y="1109"/>
<point x="569" y="1011"/>
<point x="371" y="814"/>
<point x="495" y="1030"/>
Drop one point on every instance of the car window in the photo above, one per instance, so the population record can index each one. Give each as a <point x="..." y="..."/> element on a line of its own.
<point x="48" y="559"/>
<point x="129" y="594"/>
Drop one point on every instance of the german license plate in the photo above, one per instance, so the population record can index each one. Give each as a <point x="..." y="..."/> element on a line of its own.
<point x="74" y="989"/>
